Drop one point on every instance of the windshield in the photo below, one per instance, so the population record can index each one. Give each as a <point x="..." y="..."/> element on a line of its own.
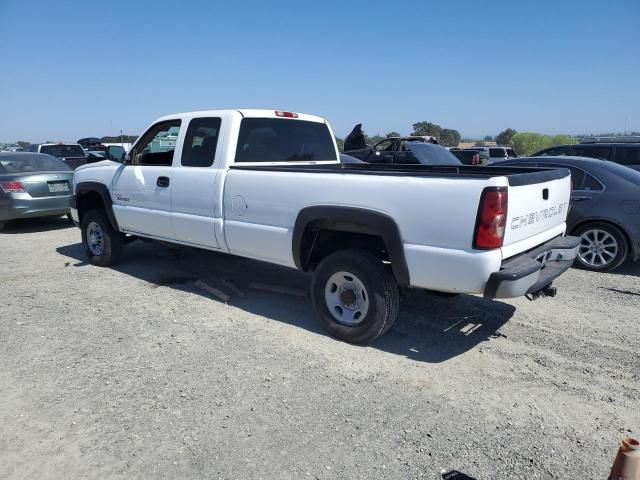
<point x="63" y="151"/>
<point x="31" y="163"/>
<point x="430" y="154"/>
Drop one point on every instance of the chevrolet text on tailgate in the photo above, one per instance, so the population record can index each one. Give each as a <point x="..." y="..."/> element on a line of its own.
<point x="268" y="185"/>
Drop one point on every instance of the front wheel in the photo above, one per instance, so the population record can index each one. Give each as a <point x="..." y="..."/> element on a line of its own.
<point x="102" y="242"/>
<point x="355" y="295"/>
<point x="602" y="248"/>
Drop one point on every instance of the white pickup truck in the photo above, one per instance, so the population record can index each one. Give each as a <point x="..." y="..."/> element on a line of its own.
<point x="268" y="185"/>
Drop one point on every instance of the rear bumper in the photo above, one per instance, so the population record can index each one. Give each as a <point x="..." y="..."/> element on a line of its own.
<point x="534" y="270"/>
<point x="13" y="208"/>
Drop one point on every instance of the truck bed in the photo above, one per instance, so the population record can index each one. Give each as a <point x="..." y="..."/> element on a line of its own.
<point x="516" y="176"/>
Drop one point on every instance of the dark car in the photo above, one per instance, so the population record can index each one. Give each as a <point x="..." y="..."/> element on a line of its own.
<point x="605" y="209"/>
<point x="356" y="146"/>
<point x="624" y="153"/>
<point x="411" y="153"/>
<point x="33" y="185"/>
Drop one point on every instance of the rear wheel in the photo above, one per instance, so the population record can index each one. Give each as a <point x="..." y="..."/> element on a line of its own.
<point x="355" y="295"/>
<point x="102" y="242"/>
<point x="602" y="248"/>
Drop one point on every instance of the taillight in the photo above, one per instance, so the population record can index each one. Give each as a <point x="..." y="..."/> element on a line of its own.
<point x="492" y="218"/>
<point x="12" y="187"/>
<point x="475" y="159"/>
<point x="286" y="114"/>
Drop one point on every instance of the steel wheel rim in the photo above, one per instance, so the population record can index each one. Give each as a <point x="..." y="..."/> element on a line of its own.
<point x="346" y="298"/>
<point x="598" y="248"/>
<point x="95" y="238"/>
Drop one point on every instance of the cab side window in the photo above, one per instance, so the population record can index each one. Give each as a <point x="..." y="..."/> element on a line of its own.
<point x="157" y="145"/>
<point x="201" y="142"/>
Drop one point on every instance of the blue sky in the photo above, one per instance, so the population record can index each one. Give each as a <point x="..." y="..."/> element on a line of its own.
<point x="76" y="69"/>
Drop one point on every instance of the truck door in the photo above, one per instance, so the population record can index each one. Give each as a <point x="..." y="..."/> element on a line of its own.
<point x="194" y="183"/>
<point x="142" y="187"/>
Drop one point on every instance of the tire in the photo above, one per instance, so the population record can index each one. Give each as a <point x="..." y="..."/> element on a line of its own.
<point x="601" y="242"/>
<point x="356" y="284"/>
<point x="96" y="224"/>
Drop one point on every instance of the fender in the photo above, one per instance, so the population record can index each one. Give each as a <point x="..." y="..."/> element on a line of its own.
<point x="357" y="220"/>
<point x="102" y="190"/>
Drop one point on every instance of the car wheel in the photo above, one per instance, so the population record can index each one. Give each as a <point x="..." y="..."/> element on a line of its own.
<point x="355" y="295"/>
<point x="602" y="248"/>
<point x="102" y="242"/>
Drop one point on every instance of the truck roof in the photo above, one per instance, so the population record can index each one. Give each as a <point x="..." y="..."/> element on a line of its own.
<point x="246" y="113"/>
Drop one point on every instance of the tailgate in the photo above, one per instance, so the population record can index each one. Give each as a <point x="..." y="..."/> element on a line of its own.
<point x="538" y="204"/>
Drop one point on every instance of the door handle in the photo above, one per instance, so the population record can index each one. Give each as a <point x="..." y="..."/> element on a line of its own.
<point x="163" y="181"/>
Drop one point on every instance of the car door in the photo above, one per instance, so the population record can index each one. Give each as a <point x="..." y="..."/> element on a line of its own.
<point x="194" y="183"/>
<point x="586" y="192"/>
<point x="142" y="186"/>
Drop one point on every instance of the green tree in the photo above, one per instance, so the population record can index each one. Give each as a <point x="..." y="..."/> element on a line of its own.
<point x="427" y="128"/>
<point x="393" y="134"/>
<point x="563" y="140"/>
<point x="526" y="143"/>
<point x="373" y="139"/>
<point x="504" y="137"/>
<point x="449" y="137"/>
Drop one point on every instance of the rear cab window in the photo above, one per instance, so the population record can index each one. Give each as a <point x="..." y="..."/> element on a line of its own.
<point x="284" y="140"/>
<point x="63" y="151"/>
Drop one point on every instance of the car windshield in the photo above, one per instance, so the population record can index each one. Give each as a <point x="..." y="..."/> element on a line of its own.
<point x="63" y="151"/>
<point x="430" y="154"/>
<point x="31" y="163"/>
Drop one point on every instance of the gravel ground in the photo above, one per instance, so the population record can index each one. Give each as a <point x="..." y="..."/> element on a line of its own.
<point x="140" y="371"/>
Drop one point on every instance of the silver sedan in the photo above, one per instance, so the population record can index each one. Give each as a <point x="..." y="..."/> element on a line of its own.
<point x="33" y="185"/>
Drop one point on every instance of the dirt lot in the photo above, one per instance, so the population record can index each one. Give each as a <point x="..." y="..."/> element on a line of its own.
<point x="139" y="372"/>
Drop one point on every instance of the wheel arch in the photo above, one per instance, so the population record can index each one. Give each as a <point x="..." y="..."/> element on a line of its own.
<point x="634" y="249"/>
<point x="351" y="220"/>
<point x="85" y="193"/>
